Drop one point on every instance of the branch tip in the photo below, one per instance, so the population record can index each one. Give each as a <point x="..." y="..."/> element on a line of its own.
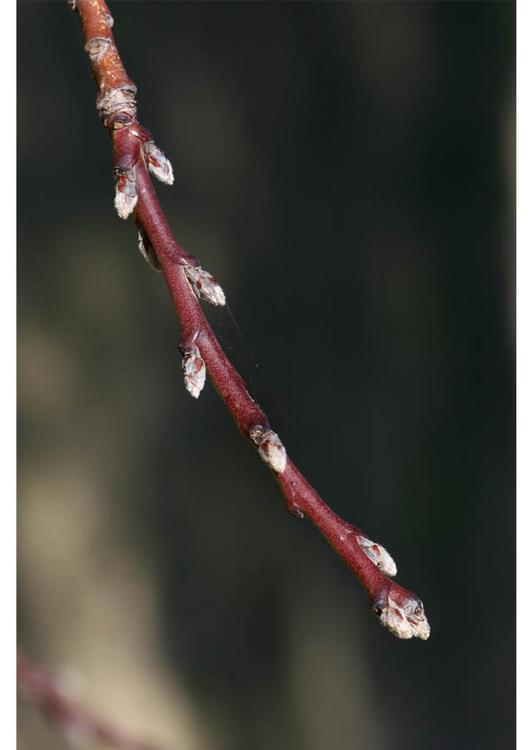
<point x="402" y="613"/>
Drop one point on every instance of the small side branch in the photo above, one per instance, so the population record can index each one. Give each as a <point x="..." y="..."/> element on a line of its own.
<point x="39" y="688"/>
<point x="134" y="156"/>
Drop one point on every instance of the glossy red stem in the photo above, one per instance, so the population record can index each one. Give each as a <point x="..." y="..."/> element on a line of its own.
<point x="127" y="135"/>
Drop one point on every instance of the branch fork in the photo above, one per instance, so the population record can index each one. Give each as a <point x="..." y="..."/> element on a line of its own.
<point x="135" y="155"/>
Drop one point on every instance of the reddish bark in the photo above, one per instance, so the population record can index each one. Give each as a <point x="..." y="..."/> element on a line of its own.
<point x="134" y="153"/>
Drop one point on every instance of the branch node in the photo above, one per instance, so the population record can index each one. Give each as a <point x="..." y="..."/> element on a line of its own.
<point x="119" y="100"/>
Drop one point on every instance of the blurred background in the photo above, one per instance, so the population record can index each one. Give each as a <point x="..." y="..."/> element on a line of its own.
<point x="347" y="171"/>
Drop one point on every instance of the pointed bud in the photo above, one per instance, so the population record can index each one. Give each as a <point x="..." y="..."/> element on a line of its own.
<point x="194" y="371"/>
<point x="272" y="451"/>
<point x="146" y="249"/>
<point x="204" y="285"/>
<point x="270" y="448"/>
<point x="402" y="614"/>
<point x="125" y="196"/>
<point x="378" y="555"/>
<point x="158" y="163"/>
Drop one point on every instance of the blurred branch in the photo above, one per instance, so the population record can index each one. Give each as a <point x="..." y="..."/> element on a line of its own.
<point x="134" y="154"/>
<point x="39" y="688"/>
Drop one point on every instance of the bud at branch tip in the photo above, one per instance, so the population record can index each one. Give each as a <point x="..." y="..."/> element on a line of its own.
<point x="402" y="614"/>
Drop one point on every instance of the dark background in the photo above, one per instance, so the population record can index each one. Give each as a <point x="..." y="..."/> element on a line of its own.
<point x="347" y="172"/>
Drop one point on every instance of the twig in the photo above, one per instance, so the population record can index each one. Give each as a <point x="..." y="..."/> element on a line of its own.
<point x="39" y="688"/>
<point x="134" y="153"/>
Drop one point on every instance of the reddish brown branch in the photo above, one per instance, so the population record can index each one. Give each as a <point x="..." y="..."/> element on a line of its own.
<point x="39" y="688"/>
<point x="134" y="154"/>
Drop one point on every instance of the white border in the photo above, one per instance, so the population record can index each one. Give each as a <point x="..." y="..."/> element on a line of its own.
<point x="8" y="374"/>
